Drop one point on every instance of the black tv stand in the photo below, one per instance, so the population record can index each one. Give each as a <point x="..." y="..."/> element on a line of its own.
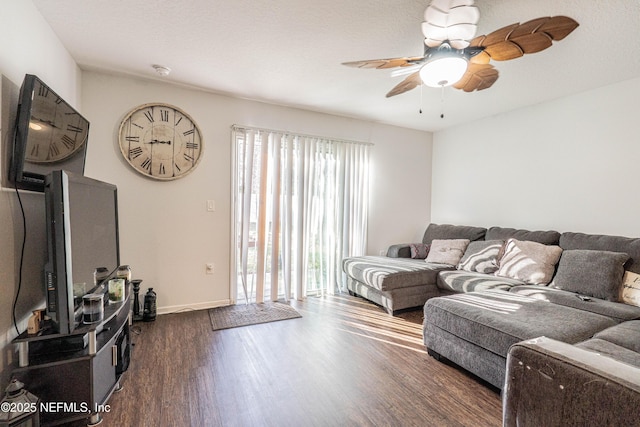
<point x="62" y="369"/>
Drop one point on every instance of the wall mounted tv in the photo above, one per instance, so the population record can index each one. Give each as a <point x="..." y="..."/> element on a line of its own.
<point x="82" y="235"/>
<point x="49" y="135"/>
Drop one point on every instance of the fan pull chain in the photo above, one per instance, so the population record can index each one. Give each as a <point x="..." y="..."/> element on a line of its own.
<point x="442" y="103"/>
<point x="420" y="110"/>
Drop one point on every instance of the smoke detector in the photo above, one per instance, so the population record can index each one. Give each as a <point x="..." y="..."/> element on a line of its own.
<point x="162" y="70"/>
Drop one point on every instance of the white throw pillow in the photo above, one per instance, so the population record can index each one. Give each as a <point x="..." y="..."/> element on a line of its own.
<point x="530" y="262"/>
<point x="447" y="251"/>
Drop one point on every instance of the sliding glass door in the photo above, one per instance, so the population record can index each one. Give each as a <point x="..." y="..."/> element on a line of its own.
<point x="300" y="206"/>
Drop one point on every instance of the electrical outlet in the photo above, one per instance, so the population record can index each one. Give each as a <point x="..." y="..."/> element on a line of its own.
<point x="209" y="268"/>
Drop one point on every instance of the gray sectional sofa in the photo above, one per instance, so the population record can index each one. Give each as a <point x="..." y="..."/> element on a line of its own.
<point x="565" y="287"/>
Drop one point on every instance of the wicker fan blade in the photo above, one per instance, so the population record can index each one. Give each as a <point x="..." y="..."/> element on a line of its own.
<point x="477" y="77"/>
<point x="528" y="27"/>
<point x="559" y="27"/>
<point x="515" y="40"/>
<point x="412" y="81"/>
<point x="384" y="63"/>
<point x="498" y="36"/>
<point x="504" y="51"/>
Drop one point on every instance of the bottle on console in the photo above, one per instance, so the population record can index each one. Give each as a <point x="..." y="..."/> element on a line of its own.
<point x="149" y="313"/>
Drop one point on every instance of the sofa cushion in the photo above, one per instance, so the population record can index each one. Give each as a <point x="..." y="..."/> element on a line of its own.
<point x="481" y="256"/>
<point x="467" y="281"/>
<point x="531" y="262"/>
<point x="615" y="310"/>
<point x="419" y="250"/>
<point x="605" y="243"/>
<point x="625" y="335"/>
<point x="608" y="349"/>
<point x="447" y="251"/>
<point x="447" y="231"/>
<point x="620" y="342"/>
<point x="495" y="319"/>
<point x="501" y="233"/>
<point x="386" y="274"/>
<point x="597" y="274"/>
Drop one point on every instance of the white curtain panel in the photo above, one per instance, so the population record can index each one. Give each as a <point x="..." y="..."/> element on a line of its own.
<point x="300" y="206"/>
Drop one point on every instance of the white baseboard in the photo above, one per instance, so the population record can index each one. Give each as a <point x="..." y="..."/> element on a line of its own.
<point x="192" y="307"/>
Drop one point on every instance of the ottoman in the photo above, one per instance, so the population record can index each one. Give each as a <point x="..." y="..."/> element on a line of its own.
<point x="475" y="330"/>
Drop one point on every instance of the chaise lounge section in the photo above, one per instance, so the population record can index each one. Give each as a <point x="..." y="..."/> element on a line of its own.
<point x="396" y="281"/>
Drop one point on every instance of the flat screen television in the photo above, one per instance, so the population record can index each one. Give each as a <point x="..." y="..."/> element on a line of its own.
<point x="82" y="235"/>
<point x="49" y="135"/>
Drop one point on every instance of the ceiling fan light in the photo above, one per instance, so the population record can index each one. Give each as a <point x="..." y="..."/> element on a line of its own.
<point x="443" y="71"/>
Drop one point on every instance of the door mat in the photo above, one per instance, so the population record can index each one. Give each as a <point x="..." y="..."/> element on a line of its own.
<point x="233" y="316"/>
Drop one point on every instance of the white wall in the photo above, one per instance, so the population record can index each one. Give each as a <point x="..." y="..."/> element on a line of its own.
<point x="28" y="46"/>
<point x="166" y="234"/>
<point x="569" y="164"/>
<point x="400" y="181"/>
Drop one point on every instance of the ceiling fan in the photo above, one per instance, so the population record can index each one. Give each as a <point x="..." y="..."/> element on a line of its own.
<point x="453" y="57"/>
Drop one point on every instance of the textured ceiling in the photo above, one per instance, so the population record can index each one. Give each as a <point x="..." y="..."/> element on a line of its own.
<point x="289" y="52"/>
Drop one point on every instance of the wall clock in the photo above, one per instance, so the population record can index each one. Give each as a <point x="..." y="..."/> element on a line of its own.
<point x="160" y="141"/>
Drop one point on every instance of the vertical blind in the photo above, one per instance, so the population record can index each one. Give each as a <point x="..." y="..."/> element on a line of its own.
<point x="300" y="206"/>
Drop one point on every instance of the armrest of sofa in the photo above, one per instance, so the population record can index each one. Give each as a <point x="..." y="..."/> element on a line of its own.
<point x="402" y="250"/>
<point x="552" y="383"/>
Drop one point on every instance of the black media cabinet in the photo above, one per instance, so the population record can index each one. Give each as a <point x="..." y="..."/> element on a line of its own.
<point x="75" y="374"/>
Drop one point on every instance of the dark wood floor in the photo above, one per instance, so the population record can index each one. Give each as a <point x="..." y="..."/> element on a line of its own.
<point x="344" y="363"/>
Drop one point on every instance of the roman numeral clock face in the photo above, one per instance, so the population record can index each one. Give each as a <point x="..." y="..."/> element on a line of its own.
<point x="160" y="141"/>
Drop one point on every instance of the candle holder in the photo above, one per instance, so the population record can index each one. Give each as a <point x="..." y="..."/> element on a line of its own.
<point x="137" y="316"/>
